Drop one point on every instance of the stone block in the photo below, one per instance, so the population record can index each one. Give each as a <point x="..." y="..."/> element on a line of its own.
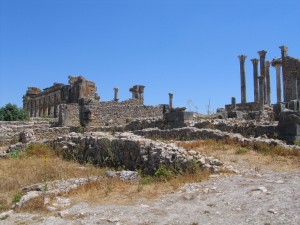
<point x="179" y="116"/>
<point x="235" y="114"/>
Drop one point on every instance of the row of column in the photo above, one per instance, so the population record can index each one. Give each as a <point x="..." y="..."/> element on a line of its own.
<point x="262" y="83"/>
<point x="44" y="106"/>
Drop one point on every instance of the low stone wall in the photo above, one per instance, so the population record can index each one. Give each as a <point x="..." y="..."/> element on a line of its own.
<point x="192" y="133"/>
<point x="245" y="128"/>
<point x="129" y="150"/>
<point x="10" y="130"/>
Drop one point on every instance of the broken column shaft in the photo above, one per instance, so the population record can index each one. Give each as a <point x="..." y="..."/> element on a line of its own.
<point x="255" y="79"/>
<point x="171" y="101"/>
<point x="243" y="77"/>
<point x="116" y="94"/>
<point x="261" y="80"/>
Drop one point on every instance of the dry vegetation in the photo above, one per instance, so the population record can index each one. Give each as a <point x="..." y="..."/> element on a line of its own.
<point x="258" y="155"/>
<point x="30" y="167"/>
<point x="21" y="169"/>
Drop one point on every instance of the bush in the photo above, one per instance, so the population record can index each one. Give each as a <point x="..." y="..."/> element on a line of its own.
<point x="11" y="112"/>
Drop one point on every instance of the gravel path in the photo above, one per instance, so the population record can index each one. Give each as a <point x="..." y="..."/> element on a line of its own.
<point x="245" y="198"/>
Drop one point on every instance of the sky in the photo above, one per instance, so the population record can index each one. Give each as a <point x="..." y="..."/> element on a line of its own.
<point x="185" y="47"/>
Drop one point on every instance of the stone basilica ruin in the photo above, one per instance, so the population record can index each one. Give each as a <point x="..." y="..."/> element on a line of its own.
<point x="77" y="104"/>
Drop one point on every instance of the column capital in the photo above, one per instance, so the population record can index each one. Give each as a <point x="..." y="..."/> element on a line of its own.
<point x="262" y="53"/>
<point x="268" y="63"/>
<point x="170" y="94"/>
<point x="276" y="62"/>
<point x="242" y="58"/>
<point x="255" y="60"/>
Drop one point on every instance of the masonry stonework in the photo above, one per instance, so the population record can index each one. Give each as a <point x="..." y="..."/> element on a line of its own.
<point x="77" y="104"/>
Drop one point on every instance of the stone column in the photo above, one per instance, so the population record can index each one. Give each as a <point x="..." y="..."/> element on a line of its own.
<point x="255" y="79"/>
<point x="268" y="83"/>
<point x="171" y="100"/>
<point x="262" y="59"/>
<point x="277" y="65"/>
<point x="243" y="77"/>
<point x="116" y="94"/>
<point x="261" y="80"/>
<point x="284" y="54"/>
<point x="233" y="102"/>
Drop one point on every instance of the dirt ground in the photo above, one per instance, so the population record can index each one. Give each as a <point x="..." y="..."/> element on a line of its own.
<point x="265" y="190"/>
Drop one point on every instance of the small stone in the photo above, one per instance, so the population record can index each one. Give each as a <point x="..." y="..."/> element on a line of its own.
<point x="262" y="188"/>
<point x="272" y="211"/>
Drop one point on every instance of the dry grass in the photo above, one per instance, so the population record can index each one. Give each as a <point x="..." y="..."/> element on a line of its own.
<point x="29" y="168"/>
<point x="260" y="156"/>
<point x="114" y="191"/>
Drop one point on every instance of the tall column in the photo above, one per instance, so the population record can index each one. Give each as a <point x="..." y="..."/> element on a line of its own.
<point x="284" y="54"/>
<point x="171" y="101"/>
<point x="116" y="94"/>
<point x="243" y="77"/>
<point x="255" y="78"/>
<point x="277" y="65"/>
<point x="262" y="59"/>
<point x="261" y="80"/>
<point x="268" y="83"/>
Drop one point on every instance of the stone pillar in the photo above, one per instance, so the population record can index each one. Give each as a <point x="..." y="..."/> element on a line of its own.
<point x="243" y="77"/>
<point x="255" y="79"/>
<point x="284" y="54"/>
<point x="233" y="102"/>
<point x="116" y="94"/>
<point x="262" y="60"/>
<point x="171" y="101"/>
<point x="277" y="65"/>
<point x="268" y="83"/>
<point x="261" y="80"/>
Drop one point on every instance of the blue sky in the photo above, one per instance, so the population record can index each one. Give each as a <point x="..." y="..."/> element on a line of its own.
<point x="187" y="47"/>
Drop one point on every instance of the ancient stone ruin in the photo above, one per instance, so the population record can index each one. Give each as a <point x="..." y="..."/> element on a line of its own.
<point x="77" y="104"/>
<point x="287" y="108"/>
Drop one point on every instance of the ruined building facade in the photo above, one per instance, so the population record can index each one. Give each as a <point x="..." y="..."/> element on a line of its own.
<point x="77" y="104"/>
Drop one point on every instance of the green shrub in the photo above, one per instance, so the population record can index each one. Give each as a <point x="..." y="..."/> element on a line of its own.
<point x="10" y="112"/>
<point x="241" y="151"/>
<point x="163" y="173"/>
<point x="17" y="197"/>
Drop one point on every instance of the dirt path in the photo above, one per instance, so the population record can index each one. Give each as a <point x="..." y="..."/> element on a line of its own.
<point x="261" y="193"/>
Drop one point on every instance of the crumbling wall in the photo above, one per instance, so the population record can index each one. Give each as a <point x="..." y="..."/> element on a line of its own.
<point x="11" y="131"/>
<point x="69" y="114"/>
<point x="292" y="78"/>
<point x="131" y="151"/>
<point x="116" y="113"/>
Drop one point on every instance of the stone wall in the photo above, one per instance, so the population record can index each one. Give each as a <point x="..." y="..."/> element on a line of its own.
<point x="249" y="106"/>
<point x="69" y="115"/>
<point x="129" y="150"/>
<point x="114" y="113"/>
<point x="192" y="133"/>
<point x="11" y="131"/>
<point x="291" y="79"/>
<point x="243" y="127"/>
